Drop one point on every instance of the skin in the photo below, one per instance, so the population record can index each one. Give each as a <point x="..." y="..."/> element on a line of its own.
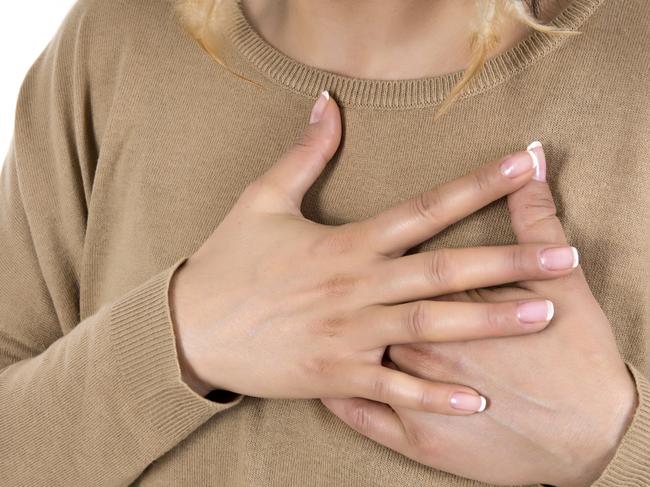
<point x="324" y="302"/>
<point x="336" y="35"/>
<point x="560" y="400"/>
<point x="269" y="283"/>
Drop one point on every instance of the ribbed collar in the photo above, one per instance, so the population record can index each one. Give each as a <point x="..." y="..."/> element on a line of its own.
<point x="393" y="94"/>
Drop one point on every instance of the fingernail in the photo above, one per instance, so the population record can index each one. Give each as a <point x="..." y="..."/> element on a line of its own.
<point x="319" y="107"/>
<point x="535" y="311"/>
<point x="560" y="258"/>
<point x="536" y="151"/>
<point x="517" y="164"/>
<point x="467" y="402"/>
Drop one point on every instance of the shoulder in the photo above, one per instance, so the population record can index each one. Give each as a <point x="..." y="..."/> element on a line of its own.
<point x="624" y="23"/>
<point x="101" y="47"/>
<point x="118" y="26"/>
<point x="615" y="43"/>
<point x="97" y="37"/>
<point x="130" y="12"/>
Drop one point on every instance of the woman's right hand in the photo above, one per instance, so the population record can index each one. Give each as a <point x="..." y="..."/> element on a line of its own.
<point x="274" y="305"/>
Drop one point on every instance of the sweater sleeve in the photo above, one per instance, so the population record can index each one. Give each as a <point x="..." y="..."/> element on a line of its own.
<point x="89" y="401"/>
<point x="630" y="466"/>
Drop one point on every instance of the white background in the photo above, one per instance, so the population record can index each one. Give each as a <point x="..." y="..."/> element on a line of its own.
<point x="26" y="26"/>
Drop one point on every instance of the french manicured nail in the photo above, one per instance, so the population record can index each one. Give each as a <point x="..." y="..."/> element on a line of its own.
<point x="537" y="153"/>
<point x="560" y="258"/>
<point x="468" y="402"/>
<point x="319" y="107"/>
<point x="535" y="311"/>
<point x="517" y="164"/>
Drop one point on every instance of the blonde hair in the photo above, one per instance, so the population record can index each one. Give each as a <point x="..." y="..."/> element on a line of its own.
<point x="196" y="17"/>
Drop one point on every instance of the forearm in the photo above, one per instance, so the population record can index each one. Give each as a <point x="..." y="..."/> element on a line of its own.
<point x="110" y="389"/>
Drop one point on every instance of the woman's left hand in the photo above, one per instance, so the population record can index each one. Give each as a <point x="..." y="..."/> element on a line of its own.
<point x="559" y="400"/>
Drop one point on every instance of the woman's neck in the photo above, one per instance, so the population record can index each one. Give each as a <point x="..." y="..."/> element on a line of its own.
<point x="378" y="39"/>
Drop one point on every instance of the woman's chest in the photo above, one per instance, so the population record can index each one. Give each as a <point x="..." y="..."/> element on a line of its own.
<point x="164" y="184"/>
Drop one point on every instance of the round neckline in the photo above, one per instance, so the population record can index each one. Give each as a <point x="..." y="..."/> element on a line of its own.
<point x="401" y="93"/>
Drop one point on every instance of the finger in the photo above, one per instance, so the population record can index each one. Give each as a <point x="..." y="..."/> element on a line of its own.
<point x="532" y="207"/>
<point x="372" y="419"/>
<point x="413" y="221"/>
<point x="534" y="217"/>
<point x="398" y="389"/>
<point x="443" y="271"/>
<point x="441" y="321"/>
<point x="286" y="182"/>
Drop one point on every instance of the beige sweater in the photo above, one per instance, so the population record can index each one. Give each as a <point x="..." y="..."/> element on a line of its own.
<point x="131" y="144"/>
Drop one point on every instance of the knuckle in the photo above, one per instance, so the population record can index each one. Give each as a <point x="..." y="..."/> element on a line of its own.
<point x="437" y="269"/>
<point x="535" y="205"/>
<point x="417" y="320"/>
<point x="429" y="205"/>
<point x="544" y="206"/>
<point x="318" y="367"/>
<point x="338" y="285"/>
<point x="308" y="144"/>
<point x="495" y="320"/>
<point x="428" y="399"/>
<point x="517" y="259"/>
<point x="336" y="242"/>
<point x="539" y="209"/>
<point x="380" y="388"/>
<point x="330" y="327"/>
<point x="541" y="198"/>
<point x="305" y="141"/>
<point x="482" y="180"/>
<point x="360" y="418"/>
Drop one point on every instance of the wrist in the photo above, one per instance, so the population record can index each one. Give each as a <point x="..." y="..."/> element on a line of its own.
<point x="190" y="379"/>
<point x="180" y="321"/>
<point x="605" y="445"/>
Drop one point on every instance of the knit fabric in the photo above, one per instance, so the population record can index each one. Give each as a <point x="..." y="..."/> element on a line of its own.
<point x="130" y="146"/>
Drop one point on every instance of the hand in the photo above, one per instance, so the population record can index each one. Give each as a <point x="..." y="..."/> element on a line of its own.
<point x="560" y="399"/>
<point x="274" y="305"/>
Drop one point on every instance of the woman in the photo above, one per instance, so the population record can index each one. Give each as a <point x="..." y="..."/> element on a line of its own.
<point x="188" y="266"/>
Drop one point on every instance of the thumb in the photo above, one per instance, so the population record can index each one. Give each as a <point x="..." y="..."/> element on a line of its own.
<point x="534" y="216"/>
<point x="299" y="167"/>
<point x="532" y="208"/>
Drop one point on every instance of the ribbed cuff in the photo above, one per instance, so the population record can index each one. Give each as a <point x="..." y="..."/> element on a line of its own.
<point x="144" y="346"/>
<point x="631" y="463"/>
